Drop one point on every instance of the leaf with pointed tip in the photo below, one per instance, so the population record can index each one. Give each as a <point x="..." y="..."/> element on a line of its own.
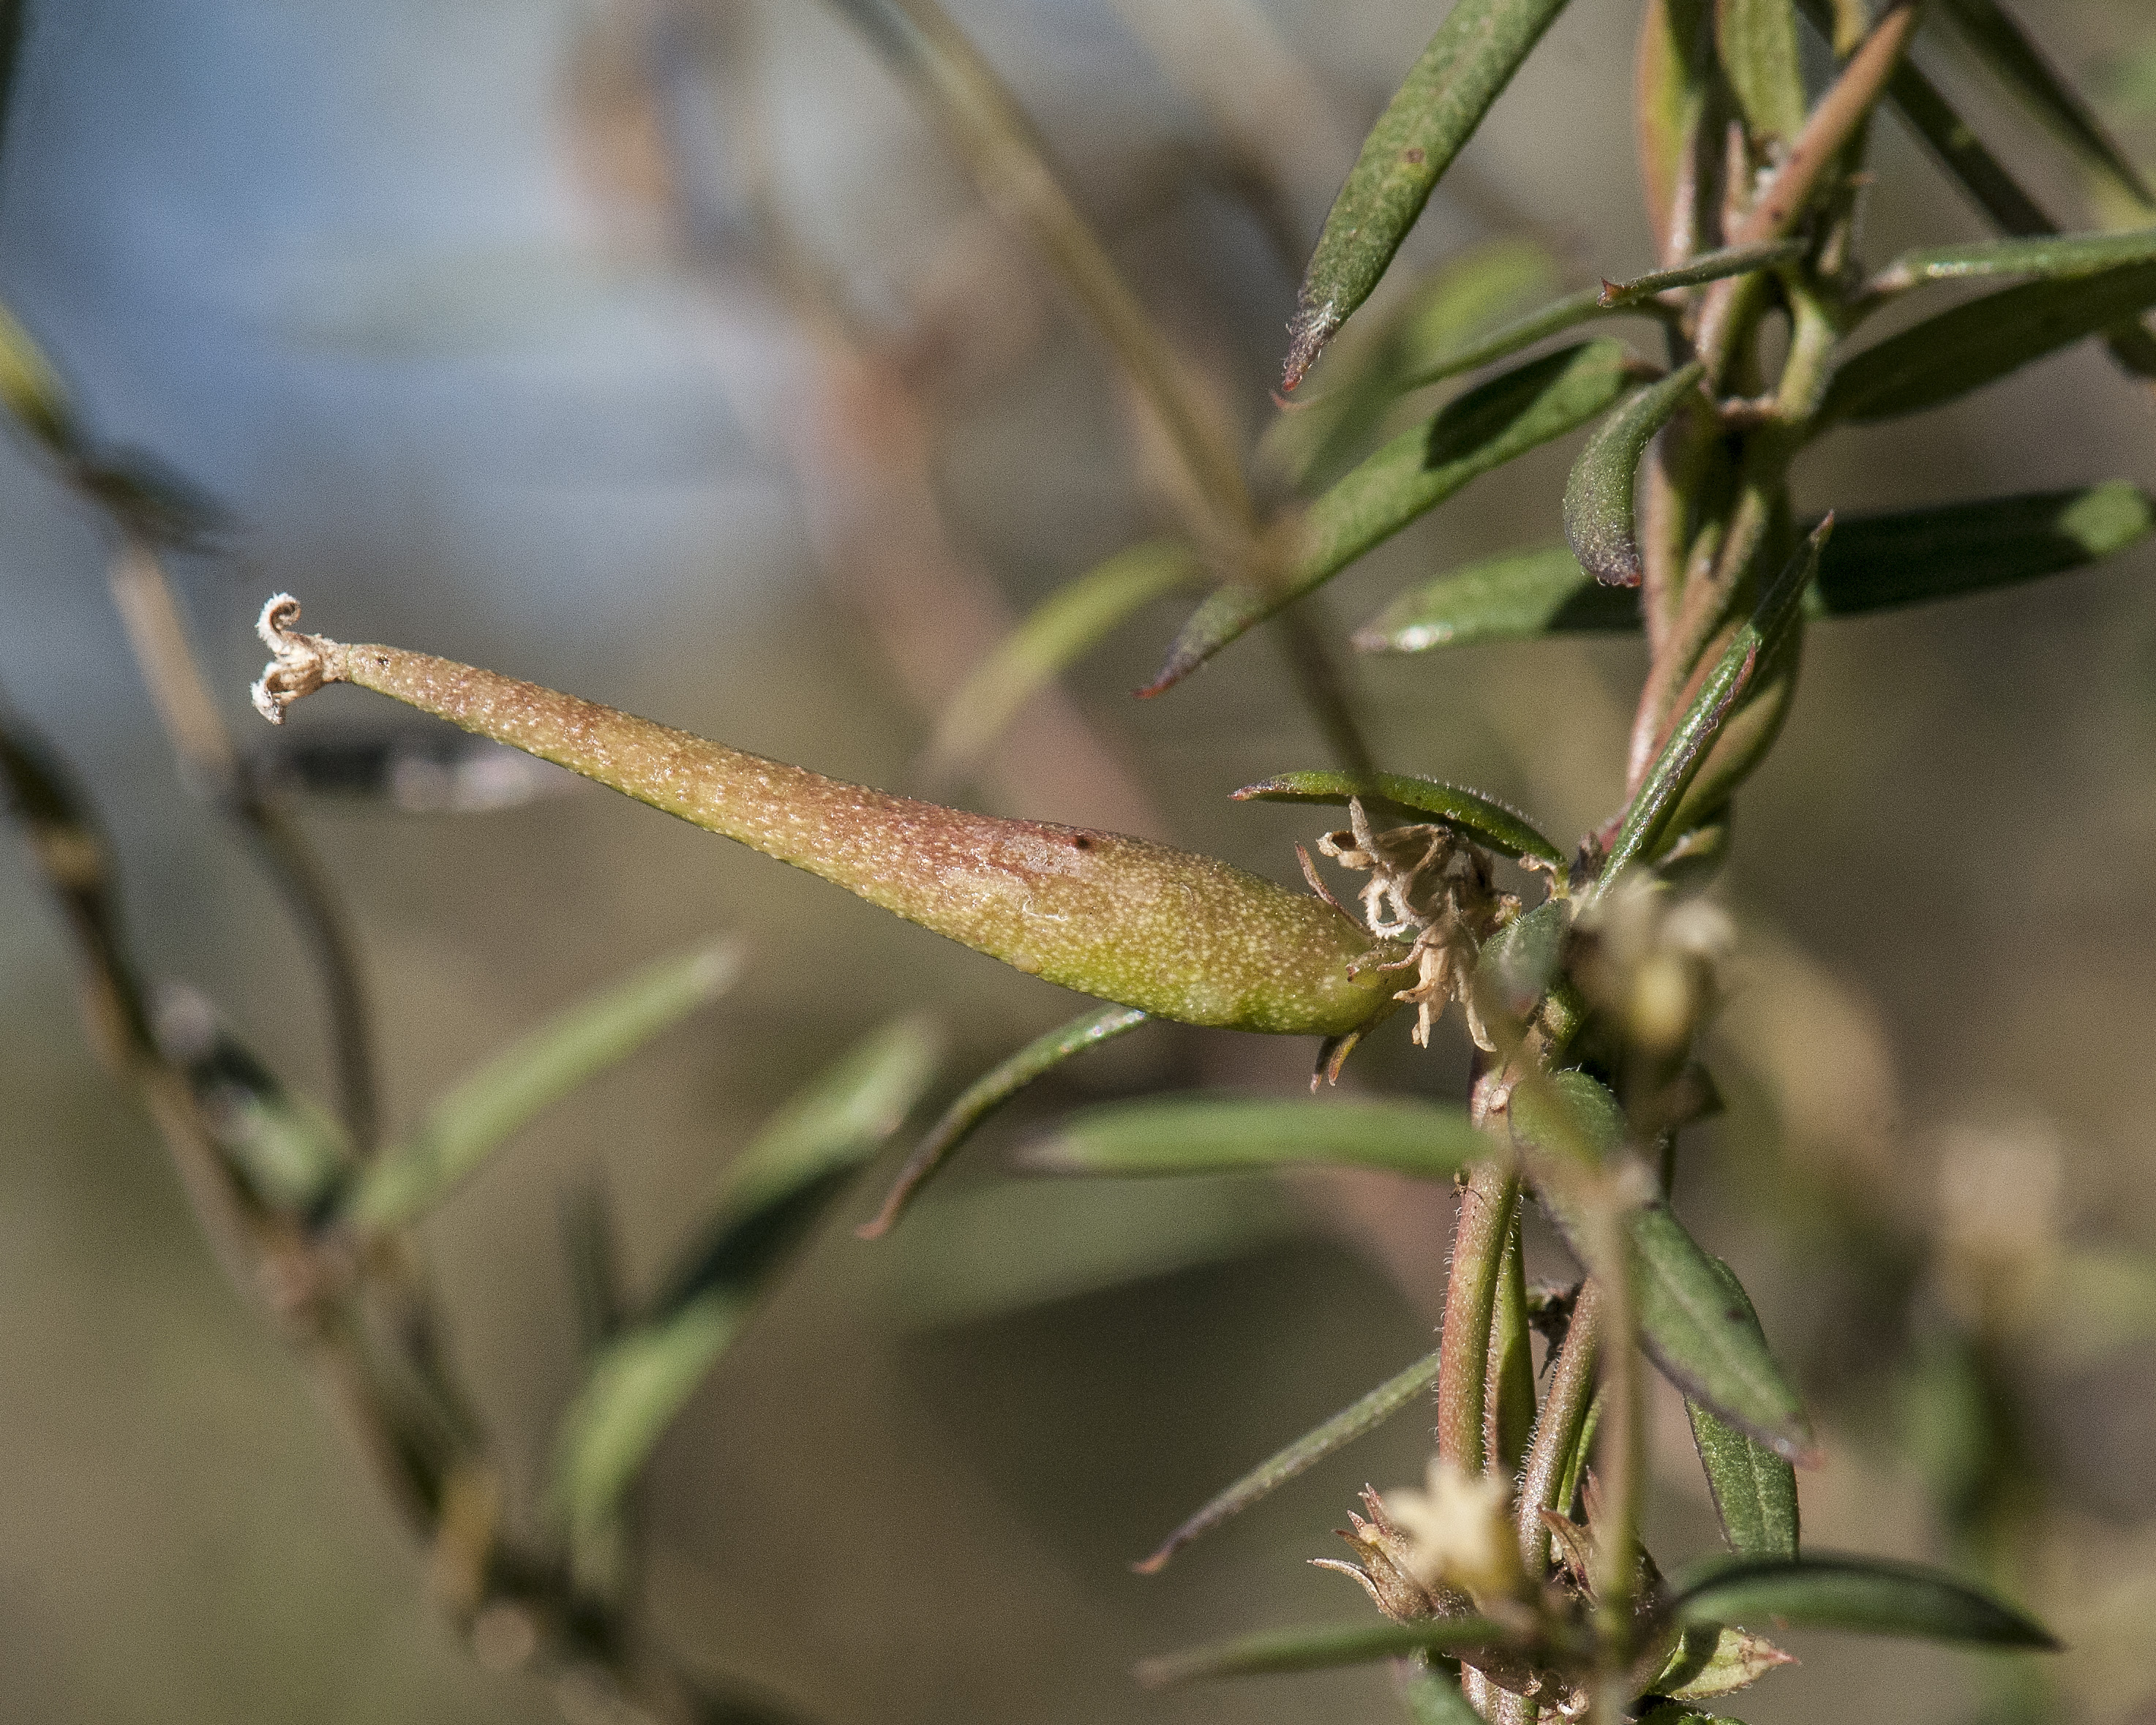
<point x="1306" y="1452"/>
<point x="1208" y="1134"/>
<point x="1707" y="266"/>
<point x="1598" y="495"/>
<point x="1469" y="62"/>
<point x="469" y="1123"/>
<point x="1649" y="815"/>
<point x="1059" y="631"/>
<point x="1978" y="343"/>
<point x="1871" y="563"/>
<point x="1492" y="424"/>
<point x="1706" y="1342"/>
<point x="1503" y="830"/>
<point x="2018" y="63"/>
<point x="989" y="1093"/>
<point x="1870" y="1595"/>
<point x="1754" y="1489"/>
<point x="2049" y="255"/>
<point x="1319" y="1647"/>
<point x="1709" y="1661"/>
<point x="774" y="1192"/>
<point x="1757" y="41"/>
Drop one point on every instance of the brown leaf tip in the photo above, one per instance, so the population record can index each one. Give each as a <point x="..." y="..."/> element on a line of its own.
<point x="1308" y="332"/>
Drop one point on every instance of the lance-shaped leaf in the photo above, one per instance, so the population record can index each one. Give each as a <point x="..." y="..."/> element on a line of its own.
<point x="1598" y="495"/>
<point x="1060" y="630"/>
<point x="2049" y="255"/>
<point x="1226" y="1134"/>
<point x="1870" y="1595"/>
<point x="1172" y="933"/>
<point x="1707" y="266"/>
<point x="1710" y="1661"/>
<point x="1706" y="1342"/>
<point x="1978" y="343"/>
<point x="1469" y="62"/>
<point x="1319" y="1647"/>
<point x="1754" y="1489"/>
<point x="1306" y="1452"/>
<point x="1757" y="41"/>
<point x="1648" y="817"/>
<point x="773" y="1193"/>
<point x="1871" y="563"/>
<point x="989" y="1092"/>
<point x="2020" y="66"/>
<point x="469" y="1123"/>
<point x="1505" y="830"/>
<point x="1494" y="423"/>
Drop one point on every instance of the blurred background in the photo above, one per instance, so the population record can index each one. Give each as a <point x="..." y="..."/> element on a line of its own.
<point x="659" y="350"/>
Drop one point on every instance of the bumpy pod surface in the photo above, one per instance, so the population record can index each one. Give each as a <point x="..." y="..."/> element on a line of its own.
<point x="1178" y="935"/>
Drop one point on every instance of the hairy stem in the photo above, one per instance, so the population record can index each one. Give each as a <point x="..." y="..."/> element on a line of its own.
<point x="1489" y="1203"/>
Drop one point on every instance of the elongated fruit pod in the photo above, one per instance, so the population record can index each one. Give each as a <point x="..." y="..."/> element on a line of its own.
<point x="1178" y="935"/>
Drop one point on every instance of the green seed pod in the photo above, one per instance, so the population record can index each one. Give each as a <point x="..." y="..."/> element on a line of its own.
<point x="1178" y="935"/>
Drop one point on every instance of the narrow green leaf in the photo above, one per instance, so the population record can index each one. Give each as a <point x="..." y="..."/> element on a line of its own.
<point x="2020" y="66"/>
<point x="1913" y="556"/>
<point x="1516" y="596"/>
<point x="1671" y="83"/>
<point x="989" y="1093"/>
<point x="1520" y="961"/>
<point x="1674" y="769"/>
<point x="290" y="1151"/>
<point x="1206" y="1134"/>
<point x="1706" y="1342"/>
<point x="1319" y="1647"/>
<point x="1507" y="339"/>
<point x="2052" y="256"/>
<point x="1598" y="495"/>
<point x="1709" y="1661"/>
<point x="1870" y="1595"/>
<point x="1871" y="563"/>
<point x="1469" y="62"/>
<point x="1313" y="1446"/>
<point x="1754" y="1489"/>
<point x="1491" y="424"/>
<point x="1060" y="630"/>
<point x="467" y="1125"/>
<point x="1757" y="41"/>
<point x="774" y="1192"/>
<point x="1984" y="341"/>
<point x="1503" y="830"/>
<point x="1707" y="266"/>
<point x="1432" y="1696"/>
<point x="778" y="1186"/>
<point x="32" y="389"/>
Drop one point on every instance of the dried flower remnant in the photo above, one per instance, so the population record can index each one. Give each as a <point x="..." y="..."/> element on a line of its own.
<point x="1430" y="886"/>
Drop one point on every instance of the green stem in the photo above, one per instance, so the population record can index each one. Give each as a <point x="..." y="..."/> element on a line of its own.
<point x="1488" y="1205"/>
<point x="1509" y="1416"/>
<point x="1560" y="1426"/>
<point x="1621" y="1453"/>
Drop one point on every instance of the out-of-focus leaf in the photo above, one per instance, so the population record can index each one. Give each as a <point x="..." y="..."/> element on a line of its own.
<point x="1491" y="424"/>
<point x="1649" y="815"/>
<point x="1224" y="1134"/>
<point x="2020" y="64"/>
<point x="1515" y="597"/>
<point x="780" y="1183"/>
<point x="32" y="389"/>
<point x="1364" y="373"/>
<point x="1708" y="1662"/>
<point x="2107" y="1299"/>
<point x="1754" y="1489"/>
<point x="1320" y="1646"/>
<point x="1757" y="40"/>
<point x="14" y="21"/>
<point x="2050" y="256"/>
<point x="1432" y="1696"/>
<point x="989" y="1093"/>
<point x="1598" y="495"/>
<point x="1015" y="1245"/>
<point x="434" y="771"/>
<point x="1060" y="630"/>
<point x="467" y="1125"/>
<point x="1503" y="830"/>
<point x="152" y="499"/>
<point x="774" y="1192"/>
<point x="1871" y="563"/>
<point x="1705" y="1342"/>
<point x="1670" y="91"/>
<point x="1507" y="339"/>
<point x="1469" y="62"/>
<point x="1870" y="1595"/>
<point x="1313" y="1446"/>
<point x="1978" y="343"/>
<point x="1522" y="960"/>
